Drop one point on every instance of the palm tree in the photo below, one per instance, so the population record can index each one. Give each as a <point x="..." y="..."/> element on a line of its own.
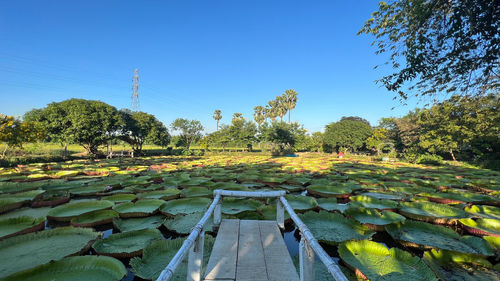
<point x="237" y="115"/>
<point x="272" y="110"/>
<point x="290" y="100"/>
<point x="259" y="114"/>
<point x="217" y="116"/>
<point x="281" y="107"/>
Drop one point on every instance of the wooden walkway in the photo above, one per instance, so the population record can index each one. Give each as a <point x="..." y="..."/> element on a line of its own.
<point x="247" y="250"/>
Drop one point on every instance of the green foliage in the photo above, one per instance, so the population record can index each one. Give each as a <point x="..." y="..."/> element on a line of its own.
<point x="15" y="133"/>
<point x="430" y="159"/>
<point x="217" y="117"/>
<point x="348" y="133"/>
<point x="290" y="101"/>
<point x="190" y="131"/>
<point x="140" y="127"/>
<point x="438" y="47"/>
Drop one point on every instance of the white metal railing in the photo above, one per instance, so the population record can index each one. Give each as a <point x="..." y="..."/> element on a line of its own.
<point x="308" y="245"/>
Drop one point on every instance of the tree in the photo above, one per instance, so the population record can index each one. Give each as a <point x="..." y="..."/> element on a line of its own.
<point x="272" y="110"/>
<point x="140" y="127"/>
<point x="438" y="46"/>
<point x="217" y="116"/>
<point x="259" y="114"/>
<point x="348" y="133"/>
<point x="237" y="116"/>
<point x="190" y="130"/>
<point x="242" y="132"/>
<point x="85" y="122"/>
<point x="280" y="135"/>
<point x="281" y="107"/>
<point x="15" y="133"/>
<point x="378" y="138"/>
<point x="290" y="100"/>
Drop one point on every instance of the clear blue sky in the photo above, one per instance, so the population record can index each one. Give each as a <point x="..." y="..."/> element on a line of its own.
<point x="194" y="57"/>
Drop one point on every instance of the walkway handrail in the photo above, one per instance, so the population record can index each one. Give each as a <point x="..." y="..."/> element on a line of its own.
<point x="194" y="243"/>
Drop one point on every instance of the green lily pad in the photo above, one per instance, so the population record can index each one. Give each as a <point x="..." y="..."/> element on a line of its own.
<point x="164" y="194"/>
<point x="480" y="227"/>
<point x="233" y="206"/>
<point x="21" y="225"/>
<point x="268" y="212"/>
<point x="448" y="265"/>
<point x="374" y="219"/>
<point x="376" y="262"/>
<point x="334" y="228"/>
<point x="71" y="210"/>
<point x="487" y="212"/>
<point x="141" y="208"/>
<point x="158" y="254"/>
<point x="185" y="206"/>
<point x="33" y="249"/>
<point x="25" y="196"/>
<point x="184" y="224"/>
<point x="432" y="212"/>
<point x="120" y="198"/>
<point x="196" y="191"/>
<point x="424" y="235"/>
<point x="330" y="204"/>
<point x="98" y="217"/>
<point x="124" y="225"/>
<point x="385" y="196"/>
<point x="27" y="212"/>
<point x="95" y="268"/>
<point x="301" y="203"/>
<point x="339" y="191"/>
<point x="373" y="203"/>
<point x="126" y="244"/>
<point x="8" y="204"/>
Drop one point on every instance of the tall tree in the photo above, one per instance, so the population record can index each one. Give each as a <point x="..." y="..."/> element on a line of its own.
<point x="348" y="133"/>
<point x="438" y="46"/>
<point x="290" y="99"/>
<point x="190" y="130"/>
<point x="237" y="116"/>
<point x="272" y="110"/>
<point x="259" y="114"/>
<point x="217" y="116"/>
<point x="281" y="106"/>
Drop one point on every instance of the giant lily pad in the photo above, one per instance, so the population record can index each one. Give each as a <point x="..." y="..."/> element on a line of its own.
<point x="339" y="191"/>
<point x="7" y="204"/>
<point x="233" y="206"/>
<point x="480" y="227"/>
<point x="185" y="206"/>
<point x="25" y="196"/>
<point x="124" y="225"/>
<point x="487" y="212"/>
<point x="196" y="191"/>
<point x="94" y="218"/>
<point x="22" y="225"/>
<point x="127" y="244"/>
<point x="334" y="228"/>
<point x="373" y="203"/>
<point x="27" y="212"/>
<point x="95" y="268"/>
<point x="330" y="204"/>
<point x="432" y="212"/>
<point x="158" y="254"/>
<point x="375" y="262"/>
<point x="164" y="194"/>
<point x="71" y="210"/>
<point x="450" y="265"/>
<point x="424" y="235"/>
<point x="32" y="249"/>
<point x="184" y="224"/>
<point x="141" y="208"/>
<point x="301" y="203"/>
<point x="120" y="198"/>
<point x="374" y="219"/>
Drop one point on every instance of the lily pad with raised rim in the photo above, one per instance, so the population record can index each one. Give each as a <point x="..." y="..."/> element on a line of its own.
<point x="301" y="203"/>
<point x="126" y="244"/>
<point x="95" y="268"/>
<point x="234" y="206"/>
<point x="130" y="224"/>
<point x="426" y="236"/>
<point x="375" y="262"/>
<point x="141" y="208"/>
<point x="339" y="191"/>
<point x="33" y="249"/>
<point x="373" y="218"/>
<point x="487" y="212"/>
<point x="432" y="212"/>
<point x="373" y="203"/>
<point x="334" y="228"/>
<point x="480" y="227"/>
<point x="71" y="210"/>
<point x="164" y="194"/>
<point x="94" y="218"/>
<point x="185" y="206"/>
<point x="21" y="225"/>
<point x="184" y="224"/>
<point x="330" y="204"/>
<point x="120" y="198"/>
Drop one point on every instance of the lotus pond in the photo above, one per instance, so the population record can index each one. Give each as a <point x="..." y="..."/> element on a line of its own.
<point x="124" y="219"/>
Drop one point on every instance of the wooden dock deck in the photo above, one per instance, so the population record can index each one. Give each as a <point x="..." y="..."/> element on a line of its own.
<point x="247" y="250"/>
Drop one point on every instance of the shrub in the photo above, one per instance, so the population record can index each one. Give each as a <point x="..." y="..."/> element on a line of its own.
<point x="429" y="159"/>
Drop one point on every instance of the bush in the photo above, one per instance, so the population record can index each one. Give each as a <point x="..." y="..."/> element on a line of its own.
<point x="429" y="159"/>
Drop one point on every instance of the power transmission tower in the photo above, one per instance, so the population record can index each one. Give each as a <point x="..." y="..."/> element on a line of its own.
<point x="135" y="91"/>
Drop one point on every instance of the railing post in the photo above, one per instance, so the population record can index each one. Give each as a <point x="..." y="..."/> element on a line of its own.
<point x="218" y="214"/>
<point x="280" y="213"/>
<point x="306" y="259"/>
<point x="195" y="259"/>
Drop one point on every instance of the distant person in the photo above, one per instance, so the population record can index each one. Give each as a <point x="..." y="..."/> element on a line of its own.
<point x="341" y="155"/>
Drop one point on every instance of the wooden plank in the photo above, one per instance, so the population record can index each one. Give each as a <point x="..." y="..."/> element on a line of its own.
<point x="251" y="264"/>
<point x="222" y="262"/>
<point x="279" y="264"/>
